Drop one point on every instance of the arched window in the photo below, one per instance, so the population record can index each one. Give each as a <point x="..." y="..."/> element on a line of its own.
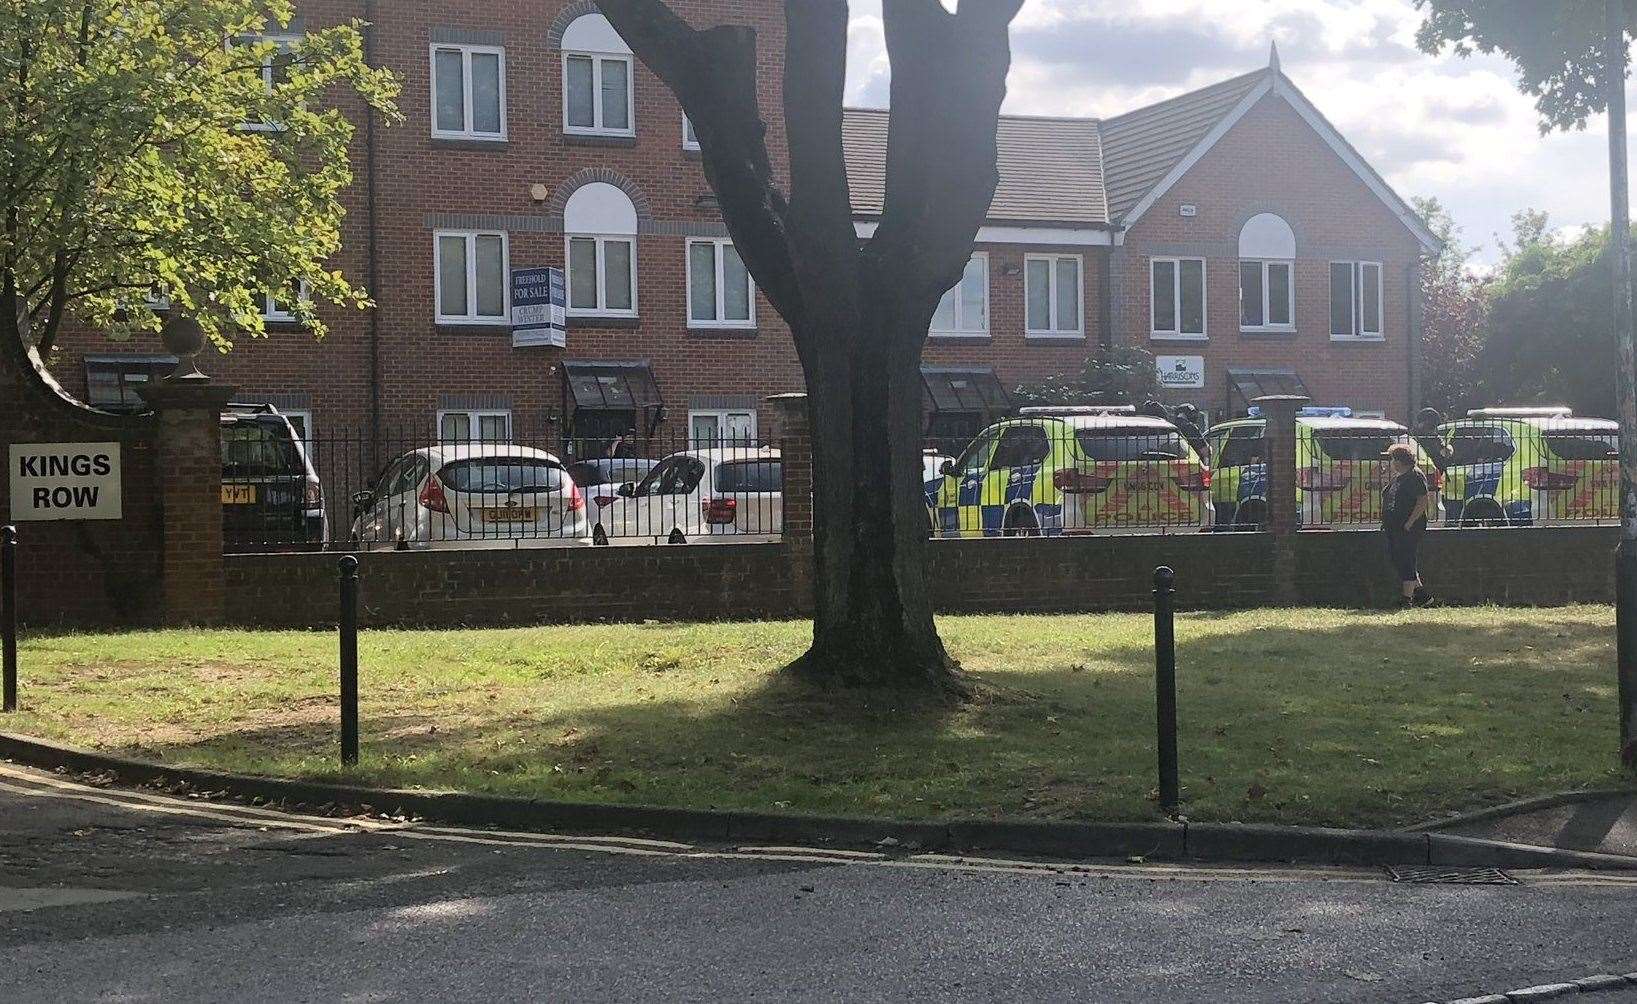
<point x="1267" y="285"/>
<point x="601" y="227"/>
<point x="598" y="97"/>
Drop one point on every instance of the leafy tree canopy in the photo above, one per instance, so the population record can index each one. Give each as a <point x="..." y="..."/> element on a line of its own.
<point x="1454" y="317"/>
<point x="1555" y="44"/>
<point x="162" y="150"/>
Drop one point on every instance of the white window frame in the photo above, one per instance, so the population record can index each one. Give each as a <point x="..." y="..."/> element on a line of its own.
<point x="1359" y="334"/>
<point x="475" y="416"/>
<point x="597" y="61"/>
<point x="1054" y="331"/>
<point x="602" y="309"/>
<point x="1177" y="334"/>
<point x="1290" y="296"/>
<point x="721" y="320"/>
<point x="272" y="312"/>
<point x="472" y="317"/>
<point x="466" y="53"/>
<point x="721" y="416"/>
<point x="285" y="41"/>
<point x="958" y="331"/>
<point x="687" y="142"/>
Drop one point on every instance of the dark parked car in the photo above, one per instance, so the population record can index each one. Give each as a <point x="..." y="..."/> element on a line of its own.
<point x="271" y="496"/>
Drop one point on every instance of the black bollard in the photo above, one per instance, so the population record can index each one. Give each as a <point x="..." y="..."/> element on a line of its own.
<point x="1165" y="686"/>
<point x="349" y="661"/>
<point x="8" y="616"/>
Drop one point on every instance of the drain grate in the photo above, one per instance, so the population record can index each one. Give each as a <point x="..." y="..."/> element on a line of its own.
<point x="1450" y="876"/>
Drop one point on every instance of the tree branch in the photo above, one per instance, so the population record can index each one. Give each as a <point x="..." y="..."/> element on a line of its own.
<point x="714" y="75"/>
<point x="941" y="172"/>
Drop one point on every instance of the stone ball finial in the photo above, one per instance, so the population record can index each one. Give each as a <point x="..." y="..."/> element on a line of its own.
<point x="184" y="338"/>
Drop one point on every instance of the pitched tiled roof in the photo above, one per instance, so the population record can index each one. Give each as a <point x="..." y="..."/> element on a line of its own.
<point x="1065" y="171"/>
<point x="1140" y="147"/>
<point x="1050" y="168"/>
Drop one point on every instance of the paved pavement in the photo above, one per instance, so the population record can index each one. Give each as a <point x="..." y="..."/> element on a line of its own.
<point x="107" y="894"/>
<point x="1608" y="825"/>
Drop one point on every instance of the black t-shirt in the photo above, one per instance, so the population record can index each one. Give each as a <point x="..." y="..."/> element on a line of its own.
<point x="1399" y="498"/>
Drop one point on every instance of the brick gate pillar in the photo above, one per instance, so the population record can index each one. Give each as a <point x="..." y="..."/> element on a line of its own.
<point x="796" y="449"/>
<point x="189" y="462"/>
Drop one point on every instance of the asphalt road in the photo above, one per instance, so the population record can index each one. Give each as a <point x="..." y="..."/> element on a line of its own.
<point x="106" y="894"/>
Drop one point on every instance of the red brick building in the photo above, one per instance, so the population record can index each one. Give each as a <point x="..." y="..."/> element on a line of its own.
<point x="1230" y="230"/>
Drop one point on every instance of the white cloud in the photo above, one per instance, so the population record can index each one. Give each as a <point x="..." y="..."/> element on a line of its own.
<point x="1454" y="128"/>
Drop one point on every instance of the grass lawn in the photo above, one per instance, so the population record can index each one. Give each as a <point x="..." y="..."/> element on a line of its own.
<point x="1291" y="716"/>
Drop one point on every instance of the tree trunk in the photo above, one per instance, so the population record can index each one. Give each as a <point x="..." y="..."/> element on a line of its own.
<point x="1625" y="564"/>
<point x="872" y="623"/>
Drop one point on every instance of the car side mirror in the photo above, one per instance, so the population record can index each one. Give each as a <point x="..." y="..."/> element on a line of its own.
<point x="947" y="468"/>
<point x="362" y="501"/>
<point x="627" y="490"/>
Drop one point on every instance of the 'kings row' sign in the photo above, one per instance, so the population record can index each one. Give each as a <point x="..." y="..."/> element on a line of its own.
<point x="52" y="481"/>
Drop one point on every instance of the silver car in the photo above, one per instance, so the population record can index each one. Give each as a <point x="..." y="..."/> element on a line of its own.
<point x="482" y="495"/>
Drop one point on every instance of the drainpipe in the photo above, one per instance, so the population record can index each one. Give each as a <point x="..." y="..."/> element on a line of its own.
<point x="374" y="264"/>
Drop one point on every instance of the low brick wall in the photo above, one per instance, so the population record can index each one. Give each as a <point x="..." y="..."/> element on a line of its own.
<point x="1535" y="567"/>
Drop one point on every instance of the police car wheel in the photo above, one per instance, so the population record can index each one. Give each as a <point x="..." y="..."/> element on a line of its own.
<point x="1482" y="513"/>
<point x="1252" y="515"/>
<point x="1021" y="521"/>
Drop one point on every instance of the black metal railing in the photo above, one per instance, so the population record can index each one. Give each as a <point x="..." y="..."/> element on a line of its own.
<point x="417" y="488"/>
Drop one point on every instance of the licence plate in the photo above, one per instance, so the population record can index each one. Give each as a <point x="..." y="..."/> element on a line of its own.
<point x="238" y="495"/>
<point x="508" y="515"/>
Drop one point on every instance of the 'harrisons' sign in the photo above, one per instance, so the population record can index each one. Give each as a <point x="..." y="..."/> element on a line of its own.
<point x="1177" y="372"/>
<point x="65" y="481"/>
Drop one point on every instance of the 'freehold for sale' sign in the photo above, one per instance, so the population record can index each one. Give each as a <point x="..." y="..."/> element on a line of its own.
<point x="65" y="481"/>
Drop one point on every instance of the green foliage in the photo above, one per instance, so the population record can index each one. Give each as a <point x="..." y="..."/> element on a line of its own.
<point x="1121" y="374"/>
<point x="127" y="170"/>
<point x="1555" y="44"/>
<point x="1455" y="311"/>
<point x="1550" y="320"/>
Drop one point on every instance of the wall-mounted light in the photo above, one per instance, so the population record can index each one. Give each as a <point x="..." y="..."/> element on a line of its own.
<point x="707" y="201"/>
<point x="1011" y="270"/>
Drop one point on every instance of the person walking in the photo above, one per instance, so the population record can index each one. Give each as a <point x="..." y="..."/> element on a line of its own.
<point x="1405" y="503"/>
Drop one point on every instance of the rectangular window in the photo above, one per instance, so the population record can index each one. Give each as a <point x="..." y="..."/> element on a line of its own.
<point x="469" y="92"/>
<point x="724" y="427"/>
<point x="275" y="69"/>
<point x="690" y="140"/>
<point x="1266" y="296"/>
<point x="1053" y="295"/>
<point x="1355" y="300"/>
<point x="475" y="426"/>
<point x="719" y="287"/>
<point x="471" y="277"/>
<point x="277" y="309"/>
<point x="964" y="308"/>
<point x="1177" y="295"/>
<point x="111" y="382"/>
<point x="602" y="276"/>
<point x="597" y="94"/>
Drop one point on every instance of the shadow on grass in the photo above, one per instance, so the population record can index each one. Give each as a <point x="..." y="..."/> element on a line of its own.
<point x="1343" y="725"/>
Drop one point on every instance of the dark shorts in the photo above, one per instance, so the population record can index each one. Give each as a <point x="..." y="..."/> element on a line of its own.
<point x="1401" y="550"/>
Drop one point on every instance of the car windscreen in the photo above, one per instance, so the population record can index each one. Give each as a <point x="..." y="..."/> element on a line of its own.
<point x="258" y="450"/>
<point x="495" y="475"/>
<point x="1583" y="444"/>
<point x="743" y="476"/>
<point x="1134" y="443"/>
<point x="1355" y="444"/>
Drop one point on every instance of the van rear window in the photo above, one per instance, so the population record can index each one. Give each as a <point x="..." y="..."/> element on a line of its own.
<point x="1583" y="444"/>
<point x="499" y="476"/>
<point x="258" y="450"/>
<point x="1136" y="443"/>
<point x="743" y="476"/>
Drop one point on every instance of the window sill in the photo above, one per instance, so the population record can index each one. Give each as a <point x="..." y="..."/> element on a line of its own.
<point x="1360" y="339"/>
<point x="1165" y="336"/>
<point x="473" y="327"/>
<point x="956" y="337"/>
<point x="603" y="321"/>
<point x="1268" y="332"/>
<point x="497" y="145"/>
<point x="1054" y="336"/>
<point x="599" y="139"/>
<point x="721" y="331"/>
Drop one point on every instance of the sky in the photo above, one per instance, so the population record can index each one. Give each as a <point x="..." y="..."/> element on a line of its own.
<point x="1458" y="129"/>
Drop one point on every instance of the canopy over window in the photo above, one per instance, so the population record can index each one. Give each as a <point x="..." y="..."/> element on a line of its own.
<point x="612" y="385"/>
<point x="950" y="389"/>
<point x="1246" y="385"/>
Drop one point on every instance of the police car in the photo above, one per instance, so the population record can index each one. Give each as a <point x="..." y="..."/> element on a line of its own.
<point x="1072" y="470"/>
<point x="1531" y="466"/>
<point x="1340" y="468"/>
